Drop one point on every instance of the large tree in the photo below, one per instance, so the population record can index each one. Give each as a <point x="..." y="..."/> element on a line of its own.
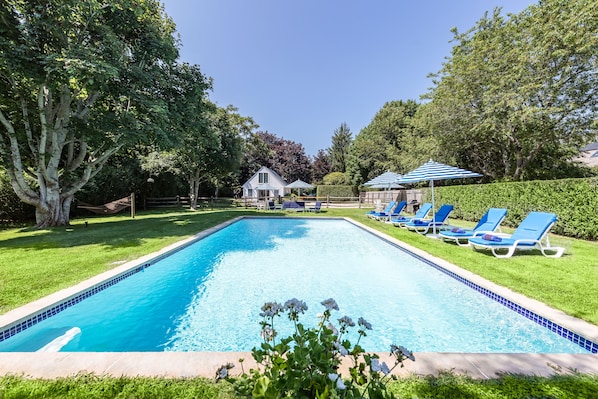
<point x="213" y="152"/>
<point x="520" y="91"/>
<point x="285" y="157"/>
<point x="78" y="81"/>
<point x="321" y="166"/>
<point x="339" y="151"/>
<point x="381" y="146"/>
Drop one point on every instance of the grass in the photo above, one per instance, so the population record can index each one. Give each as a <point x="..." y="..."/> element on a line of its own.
<point x="446" y="385"/>
<point x="35" y="263"/>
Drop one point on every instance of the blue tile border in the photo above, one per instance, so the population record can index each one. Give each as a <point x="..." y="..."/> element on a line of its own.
<point x="585" y="343"/>
<point x="54" y="310"/>
<point x="60" y="306"/>
<point x="590" y="346"/>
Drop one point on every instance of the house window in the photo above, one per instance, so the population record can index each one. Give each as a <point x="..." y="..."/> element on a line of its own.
<point x="263" y="178"/>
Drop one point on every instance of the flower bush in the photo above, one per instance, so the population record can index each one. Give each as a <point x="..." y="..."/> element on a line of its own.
<point x="306" y="363"/>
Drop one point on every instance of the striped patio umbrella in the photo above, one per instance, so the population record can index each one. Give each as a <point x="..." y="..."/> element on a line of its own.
<point x="431" y="171"/>
<point x="386" y="180"/>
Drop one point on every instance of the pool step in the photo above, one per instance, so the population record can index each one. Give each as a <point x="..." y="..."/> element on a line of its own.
<point x="58" y="343"/>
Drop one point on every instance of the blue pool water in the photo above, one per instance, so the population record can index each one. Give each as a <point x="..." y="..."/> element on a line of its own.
<point x="207" y="297"/>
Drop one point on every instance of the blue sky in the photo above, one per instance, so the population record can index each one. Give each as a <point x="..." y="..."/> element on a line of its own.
<point x="301" y="68"/>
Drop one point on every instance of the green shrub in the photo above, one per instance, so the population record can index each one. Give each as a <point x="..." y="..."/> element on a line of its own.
<point x="306" y="363"/>
<point x="574" y="201"/>
<point x="336" y="191"/>
<point x="335" y="179"/>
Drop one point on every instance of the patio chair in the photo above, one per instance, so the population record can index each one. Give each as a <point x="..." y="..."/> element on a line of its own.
<point x="488" y="224"/>
<point x="394" y="212"/>
<point x="532" y="233"/>
<point x="399" y="221"/>
<point x="374" y="214"/>
<point x="297" y="206"/>
<point x="423" y="226"/>
<point x="315" y="208"/>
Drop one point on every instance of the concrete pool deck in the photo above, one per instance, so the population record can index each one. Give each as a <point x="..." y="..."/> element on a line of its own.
<point x="204" y="364"/>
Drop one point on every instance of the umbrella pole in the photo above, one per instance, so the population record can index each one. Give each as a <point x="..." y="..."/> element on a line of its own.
<point x="433" y="210"/>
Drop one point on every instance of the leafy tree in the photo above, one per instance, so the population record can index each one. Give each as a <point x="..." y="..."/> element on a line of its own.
<point x="518" y="93"/>
<point x="335" y="179"/>
<point x="321" y="166"/>
<point x="256" y="153"/>
<point x="78" y="81"/>
<point x="210" y="150"/>
<point x="339" y="151"/>
<point x="215" y="159"/>
<point x="381" y="146"/>
<point x="286" y="157"/>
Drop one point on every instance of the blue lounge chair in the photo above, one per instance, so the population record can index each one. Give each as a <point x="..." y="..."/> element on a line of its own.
<point x="316" y="208"/>
<point x="423" y="226"/>
<point x="422" y="212"/>
<point x="298" y="206"/>
<point x="394" y="212"/>
<point x="374" y="214"/>
<point x="532" y="233"/>
<point x="489" y="222"/>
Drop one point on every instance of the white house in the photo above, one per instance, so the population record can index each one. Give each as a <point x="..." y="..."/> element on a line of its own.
<point x="264" y="183"/>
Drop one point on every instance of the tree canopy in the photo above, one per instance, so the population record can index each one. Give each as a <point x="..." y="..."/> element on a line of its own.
<point x="382" y="145"/>
<point x="285" y="157"/>
<point x="518" y="93"/>
<point x="78" y="81"/>
<point x="339" y="151"/>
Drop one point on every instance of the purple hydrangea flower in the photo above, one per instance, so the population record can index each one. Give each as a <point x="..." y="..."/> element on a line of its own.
<point x="341" y="349"/>
<point x="362" y="322"/>
<point x="295" y="305"/>
<point x="330" y="304"/>
<point x="271" y="309"/>
<point x="346" y="320"/>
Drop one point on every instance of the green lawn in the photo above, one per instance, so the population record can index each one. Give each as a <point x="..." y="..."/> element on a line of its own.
<point x="446" y="386"/>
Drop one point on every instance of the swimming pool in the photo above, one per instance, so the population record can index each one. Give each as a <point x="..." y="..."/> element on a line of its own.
<point x="206" y="297"/>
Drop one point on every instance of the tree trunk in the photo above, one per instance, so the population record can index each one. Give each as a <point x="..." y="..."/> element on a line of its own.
<point x="54" y="210"/>
<point x="193" y="189"/>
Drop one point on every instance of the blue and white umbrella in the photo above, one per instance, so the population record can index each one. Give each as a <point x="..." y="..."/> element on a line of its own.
<point x="386" y="180"/>
<point x="431" y="171"/>
<point x="299" y="184"/>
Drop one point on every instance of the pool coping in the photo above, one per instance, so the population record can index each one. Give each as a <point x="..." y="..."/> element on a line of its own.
<point x="204" y="364"/>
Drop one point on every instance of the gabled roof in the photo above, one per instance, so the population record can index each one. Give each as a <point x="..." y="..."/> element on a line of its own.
<point x="590" y="147"/>
<point x="262" y="170"/>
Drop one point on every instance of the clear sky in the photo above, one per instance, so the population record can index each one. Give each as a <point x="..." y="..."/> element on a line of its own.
<point x="300" y="68"/>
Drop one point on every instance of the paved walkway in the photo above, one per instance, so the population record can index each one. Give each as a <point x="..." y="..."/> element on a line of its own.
<point x="205" y="364"/>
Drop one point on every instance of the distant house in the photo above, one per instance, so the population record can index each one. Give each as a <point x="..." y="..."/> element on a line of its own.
<point x="264" y="183"/>
<point x="589" y="155"/>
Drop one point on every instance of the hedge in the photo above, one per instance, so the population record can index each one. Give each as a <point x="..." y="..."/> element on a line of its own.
<point x="575" y="201"/>
<point x="336" y="191"/>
